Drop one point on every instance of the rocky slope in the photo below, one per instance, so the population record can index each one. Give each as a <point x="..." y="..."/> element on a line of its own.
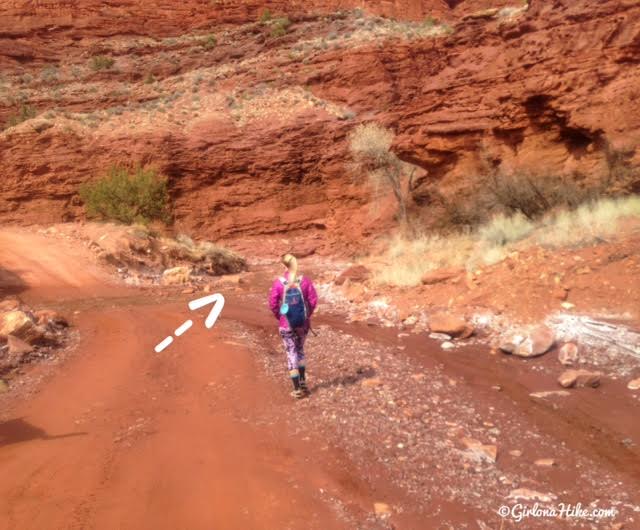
<point x="251" y="129"/>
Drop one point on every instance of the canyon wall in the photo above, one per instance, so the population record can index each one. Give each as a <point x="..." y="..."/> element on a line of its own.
<point x="255" y="142"/>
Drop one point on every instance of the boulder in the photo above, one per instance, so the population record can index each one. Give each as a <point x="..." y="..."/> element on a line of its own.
<point x="451" y="325"/>
<point x="579" y="378"/>
<point x="176" y="276"/>
<point x="511" y="343"/>
<point x="539" y="342"/>
<point x="20" y="325"/>
<point x="568" y="354"/>
<point x="356" y="273"/>
<point x="439" y="276"/>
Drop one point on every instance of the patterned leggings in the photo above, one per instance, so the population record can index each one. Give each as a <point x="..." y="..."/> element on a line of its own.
<point x="293" y="340"/>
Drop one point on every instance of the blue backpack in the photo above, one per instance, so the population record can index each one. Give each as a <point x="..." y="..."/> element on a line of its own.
<point x="293" y="306"/>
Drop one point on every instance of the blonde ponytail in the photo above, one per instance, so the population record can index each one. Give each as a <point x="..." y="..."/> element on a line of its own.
<point x="290" y="261"/>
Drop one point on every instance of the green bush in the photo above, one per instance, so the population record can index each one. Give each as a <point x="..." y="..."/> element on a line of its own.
<point x="210" y="42"/>
<point x="25" y="113"/>
<point x="266" y="16"/>
<point x="430" y="22"/>
<point x="279" y="27"/>
<point x="101" y="62"/>
<point x="137" y="197"/>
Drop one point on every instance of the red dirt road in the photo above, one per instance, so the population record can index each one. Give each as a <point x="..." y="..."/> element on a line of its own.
<point x="202" y="436"/>
<point x="122" y="437"/>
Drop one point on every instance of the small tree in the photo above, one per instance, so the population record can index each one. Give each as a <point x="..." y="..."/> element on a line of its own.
<point x="370" y="146"/>
<point x="140" y="196"/>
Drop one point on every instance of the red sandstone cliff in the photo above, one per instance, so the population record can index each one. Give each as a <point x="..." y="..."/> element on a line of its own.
<point x="252" y="132"/>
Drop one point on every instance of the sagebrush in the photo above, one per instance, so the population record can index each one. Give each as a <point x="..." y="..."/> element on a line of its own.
<point x="137" y="196"/>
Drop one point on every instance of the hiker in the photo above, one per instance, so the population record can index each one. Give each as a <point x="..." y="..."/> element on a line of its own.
<point x="292" y="301"/>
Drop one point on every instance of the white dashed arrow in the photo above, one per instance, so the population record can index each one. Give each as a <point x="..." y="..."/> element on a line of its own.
<point x="218" y="303"/>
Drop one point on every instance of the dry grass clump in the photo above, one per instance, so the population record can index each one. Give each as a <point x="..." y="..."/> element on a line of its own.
<point x="212" y="257"/>
<point x="406" y="260"/>
<point x="589" y="223"/>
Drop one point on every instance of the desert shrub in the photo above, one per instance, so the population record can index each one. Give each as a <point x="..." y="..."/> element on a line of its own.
<point x="266" y="16"/>
<point x="370" y="146"/>
<point x="26" y="112"/>
<point x="430" y="22"/>
<point x="533" y="196"/>
<point x="210" y="42"/>
<point x="139" y="196"/>
<point x="280" y="26"/>
<point x="49" y="73"/>
<point x="101" y="62"/>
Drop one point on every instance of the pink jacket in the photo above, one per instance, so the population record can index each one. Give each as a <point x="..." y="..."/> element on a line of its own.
<point x="277" y="292"/>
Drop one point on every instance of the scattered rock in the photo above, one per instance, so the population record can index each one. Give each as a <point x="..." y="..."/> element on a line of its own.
<point x="550" y="393"/>
<point x="18" y="346"/>
<point x="634" y="384"/>
<point x="439" y="336"/>
<point x="539" y="342"/>
<point x="451" y="325"/>
<point x="515" y="453"/>
<point x="19" y="324"/>
<point x="579" y="378"/>
<point x="188" y="290"/>
<point x="545" y="462"/>
<point x="410" y="321"/>
<point x="176" y="276"/>
<point x="381" y="509"/>
<point x="568" y="354"/>
<point x="439" y="276"/>
<point x="567" y="305"/>
<point x="354" y="291"/>
<point x="371" y="382"/>
<point x="356" y="273"/>
<point x="9" y="305"/>
<point x="561" y="293"/>
<point x="48" y="317"/>
<point x="479" y="451"/>
<point x="447" y="345"/>
<point x="526" y="494"/>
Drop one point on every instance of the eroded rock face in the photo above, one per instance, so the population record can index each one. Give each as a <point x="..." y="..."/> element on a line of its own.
<point x="555" y="83"/>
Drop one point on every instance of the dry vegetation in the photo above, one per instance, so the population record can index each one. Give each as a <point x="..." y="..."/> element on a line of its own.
<point x="370" y="146"/>
<point x="408" y="259"/>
